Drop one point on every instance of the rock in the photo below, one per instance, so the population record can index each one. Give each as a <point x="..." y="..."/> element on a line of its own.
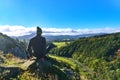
<point x="1" y="60"/>
<point x="9" y="45"/>
<point x="6" y="73"/>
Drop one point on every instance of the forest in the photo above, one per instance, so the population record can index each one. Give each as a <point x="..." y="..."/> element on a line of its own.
<point x="100" y="53"/>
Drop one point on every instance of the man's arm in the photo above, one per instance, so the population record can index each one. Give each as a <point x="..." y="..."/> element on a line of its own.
<point x="44" y="47"/>
<point x="29" y="49"/>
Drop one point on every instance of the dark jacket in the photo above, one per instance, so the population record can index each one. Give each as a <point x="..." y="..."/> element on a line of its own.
<point x="37" y="46"/>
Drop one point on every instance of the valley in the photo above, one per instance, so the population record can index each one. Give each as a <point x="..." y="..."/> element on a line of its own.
<point x="90" y="58"/>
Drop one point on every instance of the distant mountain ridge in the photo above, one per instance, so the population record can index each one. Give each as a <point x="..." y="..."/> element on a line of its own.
<point x="59" y="37"/>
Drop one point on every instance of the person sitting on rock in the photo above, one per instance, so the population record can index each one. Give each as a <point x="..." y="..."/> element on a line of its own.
<point x="37" y="45"/>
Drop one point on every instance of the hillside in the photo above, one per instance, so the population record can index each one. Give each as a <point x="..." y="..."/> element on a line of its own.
<point x="9" y="45"/>
<point x="53" y="68"/>
<point x="12" y="58"/>
<point x="91" y="58"/>
<point x="97" y="46"/>
<point x="100" y="53"/>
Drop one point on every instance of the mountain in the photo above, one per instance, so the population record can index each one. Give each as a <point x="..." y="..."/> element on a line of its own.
<point x="87" y="58"/>
<point x="58" y="37"/>
<point x="9" y="45"/>
<point x="98" y="46"/>
<point x="101" y="54"/>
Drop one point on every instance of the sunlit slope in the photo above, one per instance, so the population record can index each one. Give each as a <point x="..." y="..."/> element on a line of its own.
<point x="98" y="46"/>
<point x="99" y="54"/>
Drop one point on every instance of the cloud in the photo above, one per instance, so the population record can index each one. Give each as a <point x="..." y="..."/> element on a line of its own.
<point x="16" y="30"/>
<point x="21" y="30"/>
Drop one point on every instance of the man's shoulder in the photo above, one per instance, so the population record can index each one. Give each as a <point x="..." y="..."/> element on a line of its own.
<point x="32" y="39"/>
<point x="37" y="37"/>
<point x="42" y="37"/>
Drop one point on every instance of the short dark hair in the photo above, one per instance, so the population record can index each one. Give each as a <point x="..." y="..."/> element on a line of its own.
<point x="39" y="30"/>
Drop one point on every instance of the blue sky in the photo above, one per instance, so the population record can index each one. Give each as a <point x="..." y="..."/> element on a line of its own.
<point x="72" y="14"/>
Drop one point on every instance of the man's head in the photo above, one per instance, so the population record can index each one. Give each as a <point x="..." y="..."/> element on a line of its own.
<point x="39" y="31"/>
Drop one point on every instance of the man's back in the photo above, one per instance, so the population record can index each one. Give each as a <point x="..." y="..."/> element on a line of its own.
<point x="38" y="45"/>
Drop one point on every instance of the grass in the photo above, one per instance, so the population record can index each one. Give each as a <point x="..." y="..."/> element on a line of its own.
<point x="60" y="44"/>
<point x="27" y="76"/>
<point x="64" y="60"/>
<point x="81" y="70"/>
<point x="1" y="36"/>
<point x="11" y="60"/>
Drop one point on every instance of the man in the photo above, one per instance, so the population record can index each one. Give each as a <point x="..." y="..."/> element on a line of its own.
<point x="37" y="45"/>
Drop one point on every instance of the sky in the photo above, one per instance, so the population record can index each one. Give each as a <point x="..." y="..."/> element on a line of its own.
<point x="59" y="17"/>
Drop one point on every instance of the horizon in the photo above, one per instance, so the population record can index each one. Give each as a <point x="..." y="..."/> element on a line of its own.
<point x="22" y="31"/>
<point x="64" y="17"/>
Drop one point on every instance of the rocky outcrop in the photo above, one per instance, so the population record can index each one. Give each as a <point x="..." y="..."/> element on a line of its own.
<point x="9" y="45"/>
<point x="7" y="73"/>
<point x="1" y="60"/>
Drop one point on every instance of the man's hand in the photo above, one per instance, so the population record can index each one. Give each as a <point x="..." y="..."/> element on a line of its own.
<point x="31" y="58"/>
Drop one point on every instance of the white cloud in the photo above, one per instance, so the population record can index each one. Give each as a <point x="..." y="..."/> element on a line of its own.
<point x="21" y="30"/>
<point x="16" y="30"/>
